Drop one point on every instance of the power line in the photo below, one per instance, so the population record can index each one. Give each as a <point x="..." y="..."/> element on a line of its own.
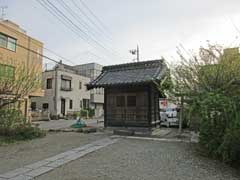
<point x="64" y="19"/>
<point x="234" y="25"/>
<point x="65" y="23"/>
<point x="32" y="51"/>
<point x="98" y="20"/>
<point x="92" y="21"/>
<point x="84" y="34"/>
<point x="79" y="19"/>
<point x="24" y="36"/>
<point x="82" y="22"/>
<point x="56" y="14"/>
<point x="35" y="52"/>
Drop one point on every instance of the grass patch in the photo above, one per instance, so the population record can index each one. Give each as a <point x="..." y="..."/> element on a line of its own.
<point x="5" y="140"/>
<point x="20" y="133"/>
<point x="202" y="152"/>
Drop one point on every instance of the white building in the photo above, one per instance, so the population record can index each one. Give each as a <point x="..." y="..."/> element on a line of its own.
<point x="65" y="92"/>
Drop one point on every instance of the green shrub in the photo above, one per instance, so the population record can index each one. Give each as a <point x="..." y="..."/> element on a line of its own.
<point x="209" y="82"/>
<point x="23" y="132"/>
<point x="211" y="136"/>
<point x="91" y="112"/>
<point x="84" y="113"/>
<point x="77" y="114"/>
<point x="10" y="118"/>
<point x="220" y="129"/>
<point x="230" y="147"/>
<point x="14" y="126"/>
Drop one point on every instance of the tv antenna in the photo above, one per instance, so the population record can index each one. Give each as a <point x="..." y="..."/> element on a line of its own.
<point x="135" y="52"/>
<point x="3" y="14"/>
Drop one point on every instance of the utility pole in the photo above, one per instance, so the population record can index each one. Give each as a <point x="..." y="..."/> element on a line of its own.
<point x="2" y="8"/>
<point x="135" y="52"/>
<point x="181" y="114"/>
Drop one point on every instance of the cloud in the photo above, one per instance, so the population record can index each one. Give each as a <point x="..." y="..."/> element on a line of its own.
<point x="157" y="26"/>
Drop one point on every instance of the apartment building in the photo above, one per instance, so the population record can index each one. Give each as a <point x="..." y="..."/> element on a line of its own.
<point x="18" y="49"/>
<point x="64" y="92"/>
<point x="93" y="70"/>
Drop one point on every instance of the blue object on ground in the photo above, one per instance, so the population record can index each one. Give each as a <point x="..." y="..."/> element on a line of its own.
<point x="79" y="124"/>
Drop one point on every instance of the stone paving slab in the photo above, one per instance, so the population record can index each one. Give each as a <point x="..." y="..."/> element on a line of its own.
<point x="83" y="147"/>
<point x="22" y="177"/>
<point x="57" y="163"/>
<point x="15" y="172"/>
<point x="41" y="167"/>
<point x="39" y="171"/>
<point x="37" y="164"/>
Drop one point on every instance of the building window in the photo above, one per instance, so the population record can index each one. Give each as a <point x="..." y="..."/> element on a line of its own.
<point x="3" y="41"/>
<point x="11" y="44"/>
<point x="66" y="85"/>
<point x="6" y="71"/>
<point x="33" y="106"/>
<point x="85" y="103"/>
<point x="45" y="106"/>
<point x="80" y="85"/>
<point x="120" y="101"/>
<point x="131" y="101"/>
<point x="49" y="83"/>
<point x="7" y="42"/>
<point x="99" y="91"/>
<point x="70" y="104"/>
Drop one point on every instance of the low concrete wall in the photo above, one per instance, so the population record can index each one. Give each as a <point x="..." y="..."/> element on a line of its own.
<point x="40" y="116"/>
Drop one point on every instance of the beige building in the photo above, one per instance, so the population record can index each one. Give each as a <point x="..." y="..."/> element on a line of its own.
<point x="18" y="49"/>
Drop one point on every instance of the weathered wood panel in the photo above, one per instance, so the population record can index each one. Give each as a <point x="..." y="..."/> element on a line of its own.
<point x="126" y="115"/>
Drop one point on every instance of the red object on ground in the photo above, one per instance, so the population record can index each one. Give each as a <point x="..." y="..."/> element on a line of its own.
<point x="164" y="102"/>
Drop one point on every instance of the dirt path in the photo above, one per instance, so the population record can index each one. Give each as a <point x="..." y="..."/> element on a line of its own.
<point x="130" y="159"/>
<point x="15" y="156"/>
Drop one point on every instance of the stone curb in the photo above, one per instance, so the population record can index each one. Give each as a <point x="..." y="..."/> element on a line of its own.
<point x="80" y="130"/>
<point x="152" y="139"/>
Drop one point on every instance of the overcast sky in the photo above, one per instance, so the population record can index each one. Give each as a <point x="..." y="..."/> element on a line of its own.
<point x="157" y="26"/>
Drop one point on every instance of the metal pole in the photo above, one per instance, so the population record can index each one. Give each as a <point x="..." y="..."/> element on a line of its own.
<point x="3" y="12"/>
<point x="137" y="54"/>
<point x="181" y="116"/>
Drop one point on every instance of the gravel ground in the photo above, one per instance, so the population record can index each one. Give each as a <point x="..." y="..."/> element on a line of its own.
<point x="17" y="155"/>
<point x="144" y="159"/>
<point x="55" y="124"/>
<point x="63" y="124"/>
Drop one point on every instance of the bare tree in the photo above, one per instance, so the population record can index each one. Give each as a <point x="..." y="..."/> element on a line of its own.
<point x="210" y="70"/>
<point x="18" y="82"/>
